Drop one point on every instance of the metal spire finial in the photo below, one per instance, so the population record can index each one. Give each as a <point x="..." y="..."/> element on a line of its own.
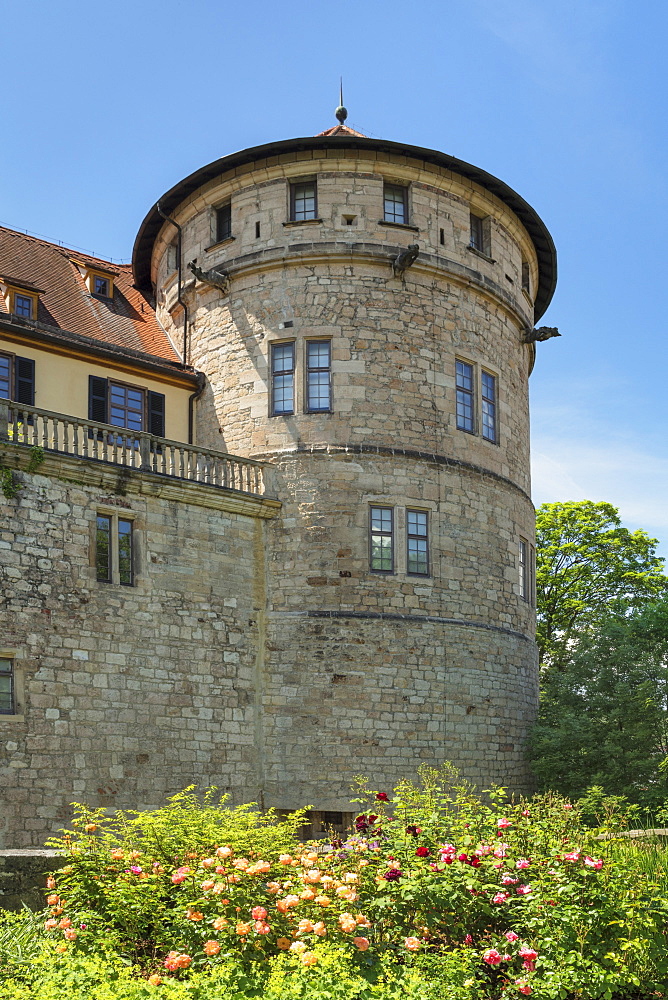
<point x="341" y="112"/>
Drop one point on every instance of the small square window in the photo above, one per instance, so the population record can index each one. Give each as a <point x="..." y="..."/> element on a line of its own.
<point x="303" y="201"/>
<point x="223" y="222"/>
<point x="395" y="204"/>
<point x="381" y="539"/>
<point x="114" y="562"/>
<point x="282" y="379"/>
<point x="23" y="305"/>
<point x="100" y="286"/>
<point x="7" y="686"/>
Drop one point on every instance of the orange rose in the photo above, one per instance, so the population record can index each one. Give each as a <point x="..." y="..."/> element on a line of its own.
<point x="319" y="929"/>
<point x="208" y="862"/>
<point x="50" y="925"/>
<point x="412" y="943"/>
<point x="243" y="929"/>
<point x="90" y="828"/>
<point x="285" y="859"/>
<point x="194" y="915"/>
<point x="209" y="884"/>
<point x="65" y="923"/>
<point x="297" y="946"/>
<point x="283" y="943"/>
<point x="211" y="947"/>
<point x="309" y="958"/>
<point x="347" y="923"/>
<point x="307" y="894"/>
<point x="53" y="899"/>
<point x="154" y="980"/>
<point x="70" y="935"/>
<point x="219" y="923"/>
<point x="361" y="942"/>
<point x="322" y="900"/>
<point x="224" y="852"/>
<point x="51" y="882"/>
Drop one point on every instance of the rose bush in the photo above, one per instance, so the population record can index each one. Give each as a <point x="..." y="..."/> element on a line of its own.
<point x="518" y="896"/>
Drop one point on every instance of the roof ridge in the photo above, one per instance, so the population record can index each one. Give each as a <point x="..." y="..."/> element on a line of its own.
<point x="59" y="246"/>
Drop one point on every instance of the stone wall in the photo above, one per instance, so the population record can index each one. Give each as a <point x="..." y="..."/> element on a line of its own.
<point x="23" y="877"/>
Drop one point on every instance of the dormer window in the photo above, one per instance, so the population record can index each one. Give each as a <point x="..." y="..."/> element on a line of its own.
<point x="24" y="305"/>
<point x="21" y="298"/>
<point x="100" y="285"/>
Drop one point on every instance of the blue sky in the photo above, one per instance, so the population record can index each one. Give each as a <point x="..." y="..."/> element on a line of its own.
<point x="106" y="107"/>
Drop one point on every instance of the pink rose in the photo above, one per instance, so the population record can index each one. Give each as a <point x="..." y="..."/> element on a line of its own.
<point x="511" y="936"/>
<point x="574" y="856"/>
<point x="508" y="880"/>
<point x="503" y="823"/>
<point x="523" y="890"/>
<point x="492" y="957"/>
<point x="522" y="863"/>
<point x="591" y="863"/>
<point x="500" y="897"/>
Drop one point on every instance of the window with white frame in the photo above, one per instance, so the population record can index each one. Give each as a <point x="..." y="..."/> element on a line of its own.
<point x="114" y="549"/>
<point x="282" y="379"/>
<point x="381" y="539"/>
<point x="318" y="376"/>
<point x="395" y="204"/>
<point x="303" y="201"/>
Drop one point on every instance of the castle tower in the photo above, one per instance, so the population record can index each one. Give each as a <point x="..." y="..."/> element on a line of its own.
<point x="359" y="308"/>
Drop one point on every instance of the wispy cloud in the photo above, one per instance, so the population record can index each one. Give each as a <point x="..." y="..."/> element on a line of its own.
<point x="633" y="479"/>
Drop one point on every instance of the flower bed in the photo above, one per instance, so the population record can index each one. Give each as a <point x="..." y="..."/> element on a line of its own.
<point x="433" y="886"/>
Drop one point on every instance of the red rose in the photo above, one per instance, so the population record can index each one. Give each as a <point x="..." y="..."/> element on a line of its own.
<point x="382" y="797"/>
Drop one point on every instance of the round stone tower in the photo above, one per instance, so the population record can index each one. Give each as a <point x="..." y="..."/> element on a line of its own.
<point x="360" y="309"/>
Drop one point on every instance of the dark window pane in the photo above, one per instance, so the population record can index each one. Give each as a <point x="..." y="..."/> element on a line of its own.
<point x="464" y="396"/>
<point x="126" y="407"/>
<point x="125" y="552"/>
<point x="223" y="223"/>
<point x="476" y="233"/>
<point x="100" y="286"/>
<point x="5" y="372"/>
<point x="417" y="545"/>
<point x="488" y="384"/>
<point x="23" y="306"/>
<point x="103" y="549"/>
<point x="6" y="686"/>
<point x="523" y="568"/>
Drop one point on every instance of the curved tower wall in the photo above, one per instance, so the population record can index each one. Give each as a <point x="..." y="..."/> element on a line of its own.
<point x="362" y="671"/>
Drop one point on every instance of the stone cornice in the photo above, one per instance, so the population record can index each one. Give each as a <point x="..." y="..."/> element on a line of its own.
<point x="121" y="480"/>
<point x="404" y="619"/>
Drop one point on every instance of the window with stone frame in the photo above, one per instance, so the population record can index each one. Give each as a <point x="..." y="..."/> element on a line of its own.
<point x="303" y="200"/>
<point x="476" y="400"/>
<point x="527" y="571"/>
<point x="465" y="396"/>
<point x="224" y="222"/>
<point x="381" y="539"/>
<point x="114" y="549"/>
<point x="488" y="407"/>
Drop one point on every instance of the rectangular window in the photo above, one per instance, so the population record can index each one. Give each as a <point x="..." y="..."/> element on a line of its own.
<point x="526" y="277"/>
<point x="101" y="286"/>
<point x="465" y="389"/>
<point x="395" y="204"/>
<point x="5" y="377"/>
<point x="114" y="550"/>
<point x="524" y="570"/>
<point x="23" y="305"/>
<point x="303" y="201"/>
<point x="477" y="239"/>
<point x="488" y="408"/>
<point x="17" y="379"/>
<point x="318" y="376"/>
<point x="126" y="406"/>
<point x="7" y="705"/>
<point x="381" y="539"/>
<point x="282" y="379"/>
<point x="223" y="222"/>
<point x="417" y="542"/>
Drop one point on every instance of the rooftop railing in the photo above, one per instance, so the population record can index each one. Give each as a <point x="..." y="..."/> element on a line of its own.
<point x="66" y="435"/>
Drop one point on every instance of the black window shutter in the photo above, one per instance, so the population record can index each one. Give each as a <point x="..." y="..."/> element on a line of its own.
<point x="25" y="381"/>
<point x="156" y="414"/>
<point x="97" y="399"/>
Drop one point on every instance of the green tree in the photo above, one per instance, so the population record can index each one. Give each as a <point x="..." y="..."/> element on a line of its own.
<point x="604" y="715"/>
<point x="586" y="563"/>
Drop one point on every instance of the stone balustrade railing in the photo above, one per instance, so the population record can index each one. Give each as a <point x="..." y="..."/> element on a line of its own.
<point x="66" y="435"/>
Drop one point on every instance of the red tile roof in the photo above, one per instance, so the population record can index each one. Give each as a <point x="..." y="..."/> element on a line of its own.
<point x="125" y="321"/>
<point x="342" y="130"/>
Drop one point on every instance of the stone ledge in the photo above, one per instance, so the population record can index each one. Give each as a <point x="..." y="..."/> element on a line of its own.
<point x="23" y="876"/>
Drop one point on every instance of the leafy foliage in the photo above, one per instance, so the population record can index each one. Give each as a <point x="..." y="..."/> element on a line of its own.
<point x="604" y="715"/>
<point x="436" y="894"/>
<point x="586" y="564"/>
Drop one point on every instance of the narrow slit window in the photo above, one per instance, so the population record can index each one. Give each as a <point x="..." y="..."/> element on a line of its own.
<point x="524" y="570"/>
<point x="442" y="237"/>
<point x="488" y="409"/>
<point x="7" y="694"/>
<point x="381" y="539"/>
<point x="223" y="222"/>
<point x="395" y="204"/>
<point x="526" y="277"/>
<point x="465" y="397"/>
<point x="417" y="542"/>
<point x="282" y="379"/>
<point x="303" y="201"/>
<point x="257" y="230"/>
<point x="103" y="549"/>
<point x="318" y="376"/>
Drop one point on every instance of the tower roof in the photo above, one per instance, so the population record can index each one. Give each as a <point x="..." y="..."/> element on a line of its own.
<point x="341" y="130"/>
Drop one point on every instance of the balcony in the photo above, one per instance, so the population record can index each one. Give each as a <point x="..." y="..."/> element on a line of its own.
<point x="60" y="434"/>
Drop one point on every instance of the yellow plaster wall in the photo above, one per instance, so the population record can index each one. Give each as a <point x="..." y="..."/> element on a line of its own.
<point x="61" y="385"/>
